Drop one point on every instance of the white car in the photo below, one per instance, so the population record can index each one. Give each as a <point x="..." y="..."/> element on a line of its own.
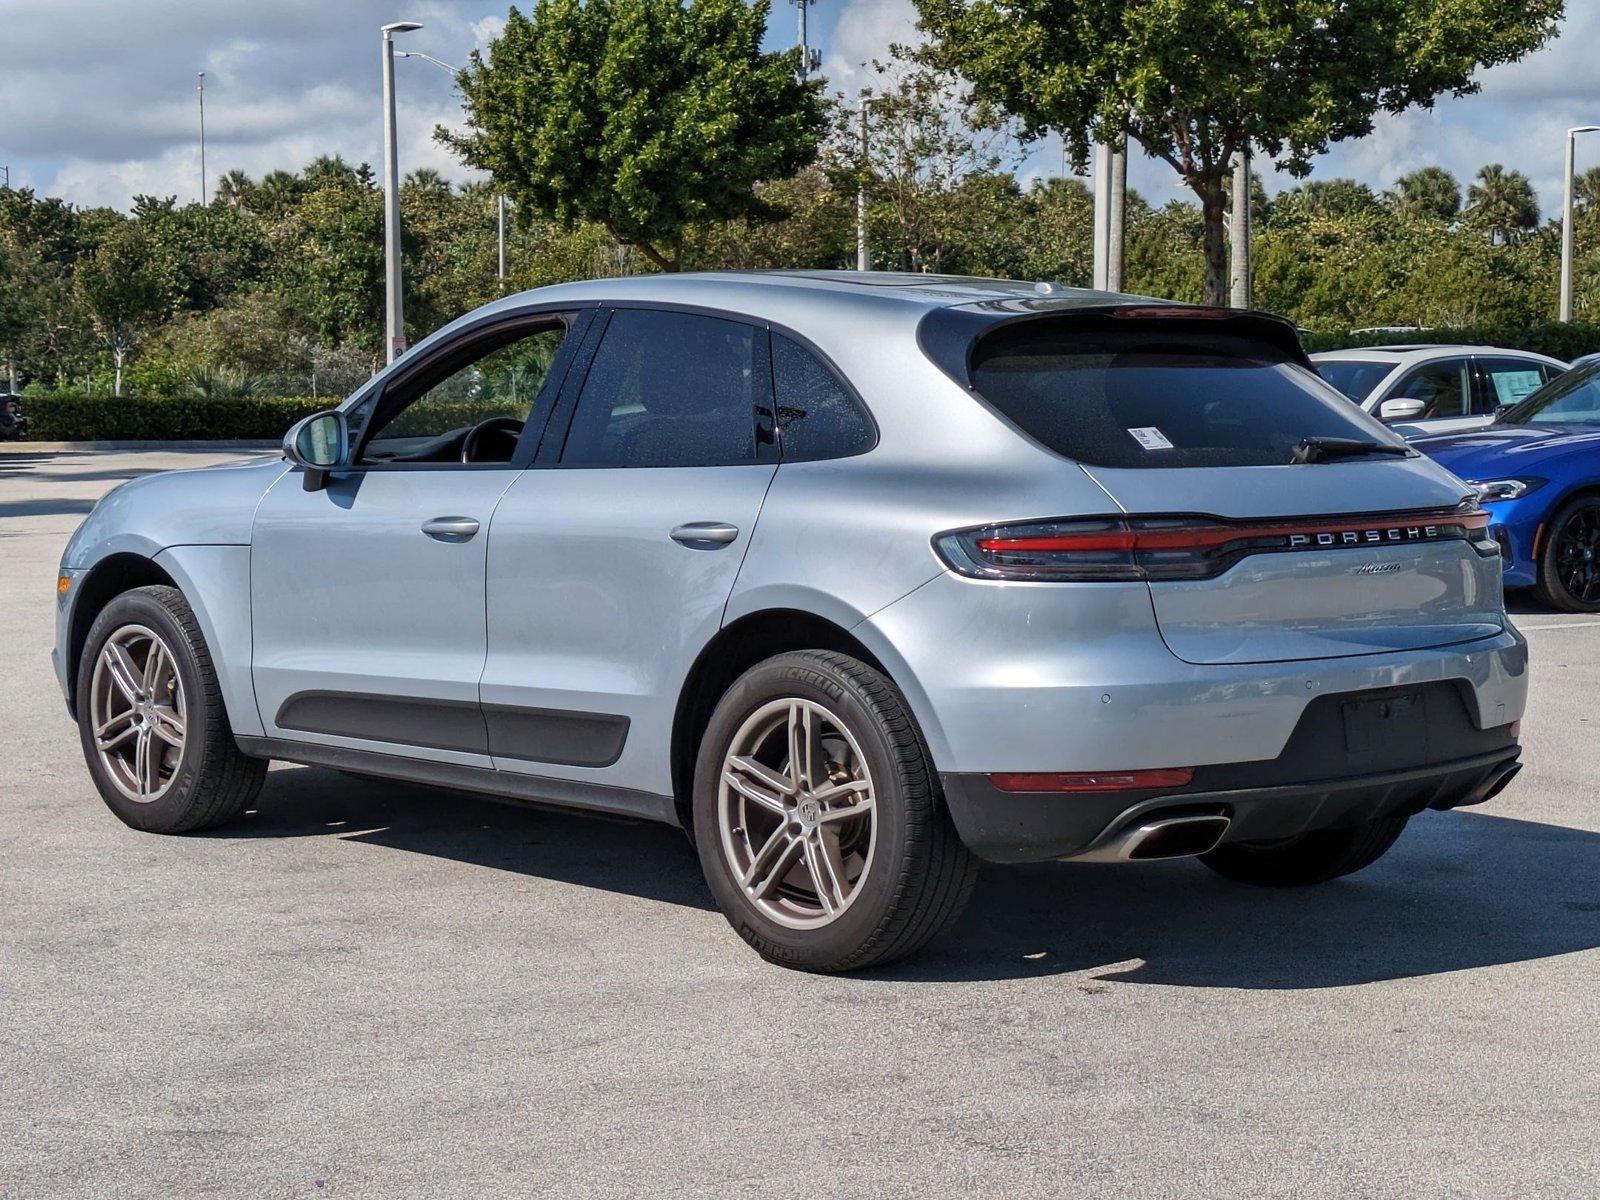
<point x="1424" y="390"/>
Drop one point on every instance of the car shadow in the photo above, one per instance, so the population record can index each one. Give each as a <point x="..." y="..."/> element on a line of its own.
<point x="51" y="507"/>
<point x="1459" y="890"/>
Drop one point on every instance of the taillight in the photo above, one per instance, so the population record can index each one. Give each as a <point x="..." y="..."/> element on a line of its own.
<point x="1092" y="781"/>
<point x="1113" y="549"/>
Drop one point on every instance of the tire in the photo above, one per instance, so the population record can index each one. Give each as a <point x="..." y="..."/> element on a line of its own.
<point x="202" y="780"/>
<point x="906" y="874"/>
<point x="1309" y="858"/>
<point x="1559" y="557"/>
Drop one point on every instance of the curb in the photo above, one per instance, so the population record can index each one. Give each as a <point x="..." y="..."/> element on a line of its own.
<point x="67" y="447"/>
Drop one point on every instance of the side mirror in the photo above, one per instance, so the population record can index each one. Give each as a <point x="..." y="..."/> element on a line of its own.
<point x="317" y="444"/>
<point x="1401" y="408"/>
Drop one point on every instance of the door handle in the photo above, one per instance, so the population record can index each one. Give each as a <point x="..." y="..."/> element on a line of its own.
<point x="451" y="529"/>
<point x="705" y="534"/>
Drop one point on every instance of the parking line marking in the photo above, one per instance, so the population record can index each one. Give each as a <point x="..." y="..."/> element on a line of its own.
<point x="1562" y="625"/>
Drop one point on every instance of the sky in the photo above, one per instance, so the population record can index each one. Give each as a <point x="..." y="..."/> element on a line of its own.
<point x="99" y="98"/>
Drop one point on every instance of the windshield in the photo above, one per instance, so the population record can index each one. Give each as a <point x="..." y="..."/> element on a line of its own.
<point x="1123" y="393"/>
<point x="1355" y="377"/>
<point x="1573" y="399"/>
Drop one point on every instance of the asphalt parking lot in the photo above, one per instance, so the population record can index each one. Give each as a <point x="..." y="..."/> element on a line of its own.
<point x="374" y="990"/>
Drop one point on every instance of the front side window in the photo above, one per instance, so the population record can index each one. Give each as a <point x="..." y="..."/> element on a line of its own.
<point x="1126" y="394"/>
<point x="670" y="389"/>
<point x="817" y="416"/>
<point x="1443" y="387"/>
<point x="469" y="406"/>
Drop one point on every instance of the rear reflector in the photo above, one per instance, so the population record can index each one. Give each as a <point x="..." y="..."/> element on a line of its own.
<point x="1103" y="549"/>
<point x="1093" y="781"/>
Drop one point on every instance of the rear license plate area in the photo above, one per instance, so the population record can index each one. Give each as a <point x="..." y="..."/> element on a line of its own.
<point x="1384" y="730"/>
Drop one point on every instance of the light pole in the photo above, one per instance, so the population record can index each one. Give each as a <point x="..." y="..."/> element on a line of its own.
<point x="393" y="312"/>
<point x="201" y="88"/>
<point x="863" y="254"/>
<point x="1566" y="222"/>
<point x="1239" y="233"/>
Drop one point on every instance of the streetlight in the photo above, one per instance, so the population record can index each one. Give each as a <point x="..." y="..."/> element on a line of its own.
<point x="501" y="201"/>
<point x="394" y="315"/>
<point x="1566" y="223"/>
<point x="201" y="88"/>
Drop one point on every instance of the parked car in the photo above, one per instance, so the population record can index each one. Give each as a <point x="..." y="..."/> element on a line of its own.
<point x="1423" y="390"/>
<point x="857" y="578"/>
<point x="13" y="424"/>
<point x="1537" y="469"/>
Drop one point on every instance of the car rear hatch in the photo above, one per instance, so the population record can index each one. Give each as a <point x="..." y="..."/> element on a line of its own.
<point x="1273" y="520"/>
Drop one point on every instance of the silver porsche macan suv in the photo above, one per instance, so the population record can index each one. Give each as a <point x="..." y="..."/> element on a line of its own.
<point x="859" y="578"/>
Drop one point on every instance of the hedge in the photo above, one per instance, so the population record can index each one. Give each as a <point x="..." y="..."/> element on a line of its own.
<point x="63" y="417"/>
<point x="1555" y="338"/>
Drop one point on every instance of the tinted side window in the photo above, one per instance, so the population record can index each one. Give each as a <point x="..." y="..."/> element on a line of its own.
<point x="1441" y="386"/>
<point x="669" y="389"/>
<point x="817" y="417"/>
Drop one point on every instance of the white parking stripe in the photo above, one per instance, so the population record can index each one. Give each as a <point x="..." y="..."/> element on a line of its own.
<point x="1561" y="625"/>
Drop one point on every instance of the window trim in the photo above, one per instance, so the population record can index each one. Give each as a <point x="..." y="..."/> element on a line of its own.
<point x="559" y="427"/>
<point x="577" y="317"/>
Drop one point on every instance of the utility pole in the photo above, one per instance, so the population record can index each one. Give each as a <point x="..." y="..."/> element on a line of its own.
<point x="500" y="206"/>
<point x="202" y="90"/>
<point x="1239" y="233"/>
<point x="1567" y="207"/>
<point x="1114" y="223"/>
<point x="394" y="313"/>
<point x="863" y="256"/>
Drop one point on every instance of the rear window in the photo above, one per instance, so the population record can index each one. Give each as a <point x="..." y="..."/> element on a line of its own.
<point x="1355" y="377"/>
<point x="1146" y="395"/>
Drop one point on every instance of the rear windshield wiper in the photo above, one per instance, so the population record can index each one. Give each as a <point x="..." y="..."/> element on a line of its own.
<point x="1326" y="449"/>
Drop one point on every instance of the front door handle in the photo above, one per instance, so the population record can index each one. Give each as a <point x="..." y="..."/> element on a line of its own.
<point x="705" y="534"/>
<point x="451" y="529"/>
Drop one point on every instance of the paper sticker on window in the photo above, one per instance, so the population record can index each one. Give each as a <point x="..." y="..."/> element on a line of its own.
<point x="1150" y="438"/>
<point x="1513" y="387"/>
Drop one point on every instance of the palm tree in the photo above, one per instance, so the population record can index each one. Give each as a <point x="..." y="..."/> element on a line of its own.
<point x="1427" y="192"/>
<point x="276" y="194"/>
<point x="234" y="189"/>
<point x="1502" y="202"/>
<point x="1586" y="190"/>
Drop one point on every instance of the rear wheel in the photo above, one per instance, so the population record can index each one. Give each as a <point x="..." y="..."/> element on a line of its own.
<point x="1569" y="563"/>
<point x="818" y="817"/>
<point x="1314" y="857"/>
<point x="151" y="718"/>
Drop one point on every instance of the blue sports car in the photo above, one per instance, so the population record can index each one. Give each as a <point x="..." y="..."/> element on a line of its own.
<point x="1537" y="470"/>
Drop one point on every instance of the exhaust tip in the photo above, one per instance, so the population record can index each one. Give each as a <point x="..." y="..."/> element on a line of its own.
<point x="1499" y="785"/>
<point x="1174" y="837"/>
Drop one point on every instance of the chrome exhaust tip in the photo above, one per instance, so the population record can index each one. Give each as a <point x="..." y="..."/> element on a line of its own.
<point x="1157" y="837"/>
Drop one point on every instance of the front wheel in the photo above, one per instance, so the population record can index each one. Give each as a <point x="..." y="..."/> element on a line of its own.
<point x="1569" y="563"/>
<point x="818" y="817"/>
<point x="1314" y="857"/>
<point x="151" y="719"/>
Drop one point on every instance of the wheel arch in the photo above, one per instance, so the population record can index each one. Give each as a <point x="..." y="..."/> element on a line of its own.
<point x="105" y="581"/>
<point x="737" y="647"/>
<point x="1587" y="487"/>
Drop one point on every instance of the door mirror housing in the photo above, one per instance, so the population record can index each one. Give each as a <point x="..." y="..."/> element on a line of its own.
<point x="317" y="444"/>
<point x="1401" y="408"/>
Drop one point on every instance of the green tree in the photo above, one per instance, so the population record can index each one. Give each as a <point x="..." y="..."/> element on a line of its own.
<point x="1586" y="190"/>
<point x="1195" y="81"/>
<point x="1331" y="197"/>
<point x="1427" y="192"/>
<point x="1502" y="202"/>
<point x="645" y="116"/>
<point x="123" y="290"/>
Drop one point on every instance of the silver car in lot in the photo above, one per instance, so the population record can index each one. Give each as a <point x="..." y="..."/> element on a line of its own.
<point x="857" y="578"/>
<point x="1422" y="390"/>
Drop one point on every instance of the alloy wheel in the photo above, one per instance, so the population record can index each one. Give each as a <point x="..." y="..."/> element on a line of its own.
<point x="138" y="713"/>
<point x="1577" y="554"/>
<point x="797" y="813"/>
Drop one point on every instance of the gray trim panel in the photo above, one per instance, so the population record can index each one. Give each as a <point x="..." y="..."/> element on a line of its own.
<point x="563" y="793"/>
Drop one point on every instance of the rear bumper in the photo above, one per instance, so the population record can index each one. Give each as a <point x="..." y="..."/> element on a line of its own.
<point x="1030" y="827"/>
<point x="1352" y="758"/>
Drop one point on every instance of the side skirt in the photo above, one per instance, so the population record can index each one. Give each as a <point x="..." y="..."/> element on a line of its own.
<point x="565" y="793"/>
